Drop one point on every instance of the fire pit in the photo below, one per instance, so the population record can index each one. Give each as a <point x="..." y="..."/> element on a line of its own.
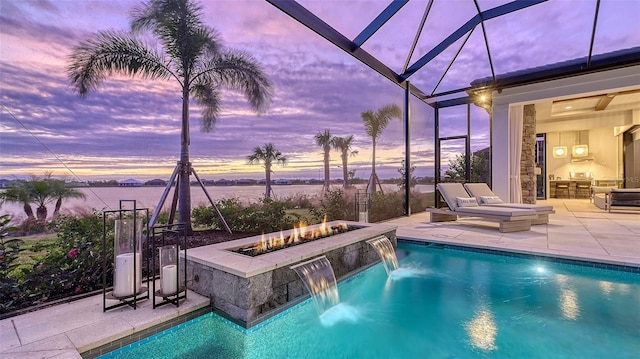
<point x="299" y="235"/>
<point x="249" y="289"/>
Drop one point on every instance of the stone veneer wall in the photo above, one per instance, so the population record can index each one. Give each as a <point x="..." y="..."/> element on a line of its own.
<point x="528" y="158"/>
<point x="248" y="301"/>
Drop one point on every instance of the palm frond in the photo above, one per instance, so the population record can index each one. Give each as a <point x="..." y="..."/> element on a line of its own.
<point x="178" y="25"/>
<point x="239" y="71"/>
<point x="111" y="52"/>
<point x="208" y="97"/>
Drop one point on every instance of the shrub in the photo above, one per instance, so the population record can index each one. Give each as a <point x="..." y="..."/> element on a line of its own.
<point x="73" y="265"/>
<point x="9" y="250"/>
<point x="335" y="204"/>
<point x="299" y="200"/>
<point x="266" y="215"/>
<point x="32" y="226"/>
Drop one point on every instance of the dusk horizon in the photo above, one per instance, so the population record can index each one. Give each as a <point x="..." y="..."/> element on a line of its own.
<point x="129" y="127"/>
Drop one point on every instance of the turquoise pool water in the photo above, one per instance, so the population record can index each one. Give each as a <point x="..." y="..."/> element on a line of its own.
<point x="448" y="304"/>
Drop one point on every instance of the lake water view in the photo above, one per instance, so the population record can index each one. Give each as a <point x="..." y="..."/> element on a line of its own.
<point x="107" y="198"/>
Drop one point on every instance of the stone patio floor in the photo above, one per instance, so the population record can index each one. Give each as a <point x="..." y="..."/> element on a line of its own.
<point x="578" y="230"/>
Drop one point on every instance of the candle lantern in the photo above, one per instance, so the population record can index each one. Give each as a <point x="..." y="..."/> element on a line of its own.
<point x="127" y="250"/>
<point x="362" y="206"/>
<point x="128" y="258"/>
<point x="170" y="253"/>
<point x="168" y="269"/>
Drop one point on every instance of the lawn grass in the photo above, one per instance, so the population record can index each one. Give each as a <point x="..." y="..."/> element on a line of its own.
<point x="35" y="246"/>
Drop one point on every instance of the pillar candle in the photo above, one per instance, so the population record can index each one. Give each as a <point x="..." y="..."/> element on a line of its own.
<point x="169" y="279"/>
<point x="123" y="275"/>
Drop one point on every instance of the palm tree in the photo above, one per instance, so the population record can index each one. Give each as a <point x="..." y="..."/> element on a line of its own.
<point x="61" y="192"/>
<point x="267" y="155"/>
<point x="343" y="145"/>
<point x="192" y="56"/>
<point x="19" y="192"/>
<point x="325" y="140"/>
<point x="374" y="124"/>
<point x="40" y="191"/>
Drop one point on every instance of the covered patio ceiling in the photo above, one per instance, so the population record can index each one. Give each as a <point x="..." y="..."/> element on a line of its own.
<point x="442" y="47"/>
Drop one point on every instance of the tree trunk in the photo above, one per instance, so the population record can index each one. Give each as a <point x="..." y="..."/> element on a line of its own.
<point x="345" y="173"/>
<point x="267" y="189"/>
<point x="327" y="175"/>
<point x="56" y="210"/>
<point x="184" y="190"/>
<point x="41" y="213"/>
<point x="372" y="181"/>
<point x="28" y="210"/>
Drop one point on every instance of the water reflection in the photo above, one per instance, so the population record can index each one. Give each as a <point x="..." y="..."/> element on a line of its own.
<point x="482" y="329"/>
<point x="606" y="287"/>
<point x="569" y="304"/>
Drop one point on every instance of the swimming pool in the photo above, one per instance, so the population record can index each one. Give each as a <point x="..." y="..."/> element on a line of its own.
<point x="451" y="304"/>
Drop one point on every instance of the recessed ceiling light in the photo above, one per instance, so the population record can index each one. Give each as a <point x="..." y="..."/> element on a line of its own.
<point x="567" y="108"/>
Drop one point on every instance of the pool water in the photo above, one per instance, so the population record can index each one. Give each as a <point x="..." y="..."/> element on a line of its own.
<point x="446" y="303"/>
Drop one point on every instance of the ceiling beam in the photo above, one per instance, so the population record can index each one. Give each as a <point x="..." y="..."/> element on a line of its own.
<point x="310" y="20"/>
<point x="427" y="9"/>
<point x="593" y="32"/>
<point x="380" y="20"/>
<point x="473" y="22"/>
<point x="605" y="101"/>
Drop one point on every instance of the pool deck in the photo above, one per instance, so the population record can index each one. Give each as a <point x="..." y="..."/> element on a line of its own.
<point x="578" y="230"/>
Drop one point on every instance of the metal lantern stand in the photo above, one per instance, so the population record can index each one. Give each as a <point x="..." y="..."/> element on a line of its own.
<point x="129" y="256"/>
<point x="363" y="200"/>
<point x="167" y="242"/>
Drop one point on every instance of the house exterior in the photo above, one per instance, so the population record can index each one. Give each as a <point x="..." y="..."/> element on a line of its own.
<point x="544" y="108"/>
<point x="156" y="182"/>
<point x="130" y="183"/>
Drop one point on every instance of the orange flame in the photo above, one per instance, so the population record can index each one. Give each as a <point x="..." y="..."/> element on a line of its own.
<point x="299" y="234"/>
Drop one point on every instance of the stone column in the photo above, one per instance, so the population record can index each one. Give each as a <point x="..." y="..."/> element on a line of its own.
<point x="528" y="157"/>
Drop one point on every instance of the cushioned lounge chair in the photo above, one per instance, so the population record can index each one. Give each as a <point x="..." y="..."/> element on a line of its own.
<point x="461" y="204"/>
<point x="486" y="197"/>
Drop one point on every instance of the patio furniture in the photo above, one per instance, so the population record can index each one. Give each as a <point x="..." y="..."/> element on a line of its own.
<point x="598" y="195"/>
<point x="623" y="198"/>
<point x="462" y="205"/>
<point x="486" y="197"/>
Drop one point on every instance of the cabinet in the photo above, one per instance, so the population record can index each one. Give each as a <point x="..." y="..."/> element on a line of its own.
<point x="573" y="185"/>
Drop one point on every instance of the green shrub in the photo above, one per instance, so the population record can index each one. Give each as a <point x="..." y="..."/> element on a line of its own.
<point x="73" y="265"/>
<point x="265" y="216"/>
<point x="335" y="204"/>
<point x="9" y="250"/>
<point x="297" y="201"/>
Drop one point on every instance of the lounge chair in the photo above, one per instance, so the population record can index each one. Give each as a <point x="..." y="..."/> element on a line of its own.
<point x="486" y="197"/>
<point x="461" y="204"/>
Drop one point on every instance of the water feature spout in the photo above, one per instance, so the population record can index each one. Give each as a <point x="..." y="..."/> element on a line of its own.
<point x="387" y="254"/>
<point x="319" y="279"/>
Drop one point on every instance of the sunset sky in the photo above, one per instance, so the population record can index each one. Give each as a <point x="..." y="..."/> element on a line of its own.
<point x="130" y="127"/>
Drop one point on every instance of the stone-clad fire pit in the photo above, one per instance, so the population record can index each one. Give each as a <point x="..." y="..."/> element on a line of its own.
<point x="249" y="289"/>
<point x="300" y="234"/>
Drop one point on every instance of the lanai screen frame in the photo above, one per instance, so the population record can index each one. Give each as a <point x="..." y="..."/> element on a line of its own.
<point x="436" y="100"/>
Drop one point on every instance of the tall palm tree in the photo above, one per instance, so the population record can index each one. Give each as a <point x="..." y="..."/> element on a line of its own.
<point x="343" y="145"/>
<point x="192" y="56"/>
<point x="374" y="124"/>
<point x="268" y="155"/>
<point x="325" y="140"/>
